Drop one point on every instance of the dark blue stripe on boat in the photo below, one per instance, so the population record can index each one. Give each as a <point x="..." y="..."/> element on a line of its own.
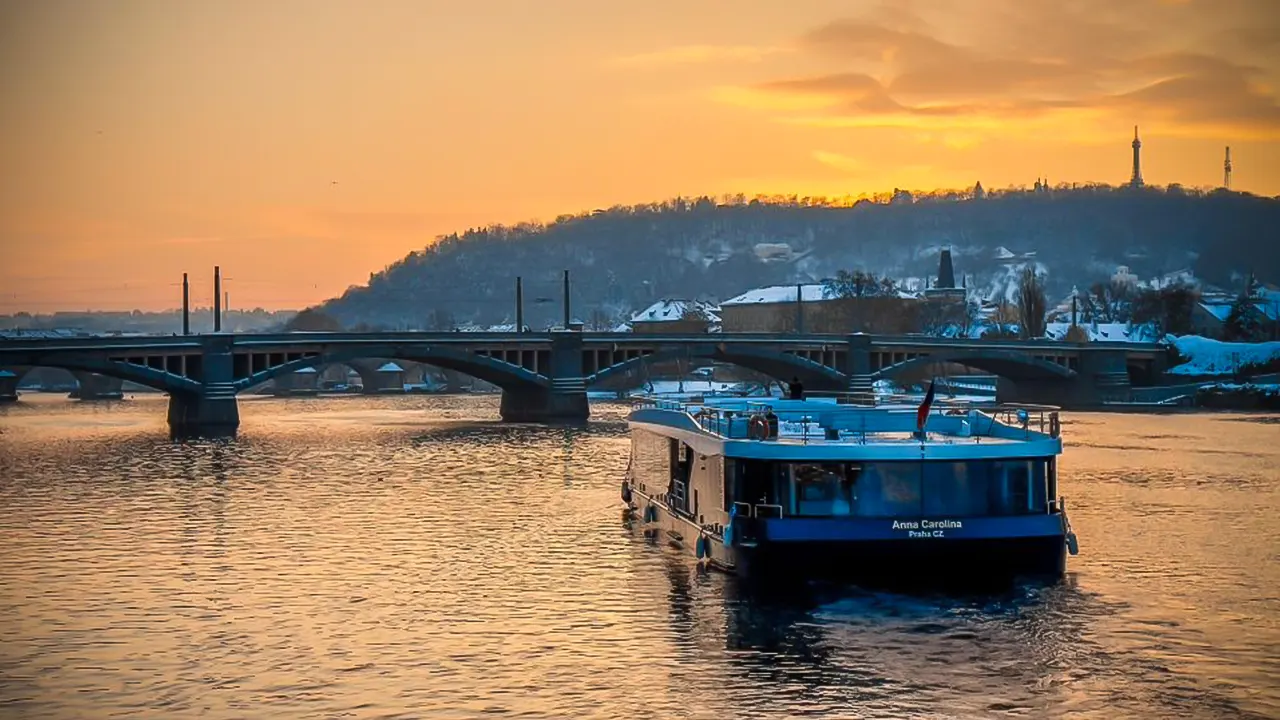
<point x="924" y="529"/>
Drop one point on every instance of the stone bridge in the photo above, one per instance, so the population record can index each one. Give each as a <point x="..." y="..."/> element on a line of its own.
<point x="545" y="376"/>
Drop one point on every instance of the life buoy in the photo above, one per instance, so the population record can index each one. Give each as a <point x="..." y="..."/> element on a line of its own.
<point x="758" y="428"/>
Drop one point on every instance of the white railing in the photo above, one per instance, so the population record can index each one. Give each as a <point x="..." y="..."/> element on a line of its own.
<point x="818" y="419"/>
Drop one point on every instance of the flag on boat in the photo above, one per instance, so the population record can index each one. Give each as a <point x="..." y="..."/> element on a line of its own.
<point x="922" y="413"/>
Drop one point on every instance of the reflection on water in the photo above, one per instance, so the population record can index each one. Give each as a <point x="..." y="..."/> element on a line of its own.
<point x="411" y="557"/>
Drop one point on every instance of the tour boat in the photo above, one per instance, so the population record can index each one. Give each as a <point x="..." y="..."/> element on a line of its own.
<point x="825" y="489"/>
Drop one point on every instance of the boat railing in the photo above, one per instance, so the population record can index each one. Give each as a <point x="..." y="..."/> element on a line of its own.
<point x="1041" y="419"/>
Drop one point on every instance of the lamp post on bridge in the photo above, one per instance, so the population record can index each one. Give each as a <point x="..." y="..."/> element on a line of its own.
<point x="186" y="306"/>
<point x="519" y="305"/>
<point x="566" y="300"/>
<point x="217" y="299"/>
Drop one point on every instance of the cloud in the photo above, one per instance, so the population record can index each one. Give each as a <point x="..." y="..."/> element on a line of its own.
<point x="696" y="54"/>
<point x="839" y="161"/>
<point x="1088" y="63"/>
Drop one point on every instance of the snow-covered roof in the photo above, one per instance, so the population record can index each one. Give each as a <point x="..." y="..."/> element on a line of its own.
<point x="7" y="374"/>
<point x="306" y="371"/>
<point x="1217" y="308"/>
<point x="672" y="310"/>
<point x="16" y="333"/>
<point x="1105" y="332"/>
<point x="622" y="327"/>
<point x="391" y="367"/>
<point x="1220" y="307"/>
<point x="811" y="292"/>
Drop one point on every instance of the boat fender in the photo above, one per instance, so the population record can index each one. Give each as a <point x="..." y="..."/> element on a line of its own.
<point x="650" y="513"/>
<point x="697" y="548"/>
<point x="626" y="491"/>
<point x="758" y="428"/>
<point x="1073" y="546"/>
<point x="727" y="534"/>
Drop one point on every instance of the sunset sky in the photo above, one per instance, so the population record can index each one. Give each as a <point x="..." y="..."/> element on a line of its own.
<point x="302" y="144"/>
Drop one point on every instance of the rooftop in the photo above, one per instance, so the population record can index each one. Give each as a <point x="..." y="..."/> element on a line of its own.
<point x="672" y="310"/>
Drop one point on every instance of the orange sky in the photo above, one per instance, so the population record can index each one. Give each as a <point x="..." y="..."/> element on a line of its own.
<point x="143" y="138"/>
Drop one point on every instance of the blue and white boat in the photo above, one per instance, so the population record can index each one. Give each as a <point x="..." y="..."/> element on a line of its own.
<point x="767" y="487"/>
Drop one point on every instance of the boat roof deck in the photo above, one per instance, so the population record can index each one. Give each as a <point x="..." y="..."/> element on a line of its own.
<point x="828" y="422"/>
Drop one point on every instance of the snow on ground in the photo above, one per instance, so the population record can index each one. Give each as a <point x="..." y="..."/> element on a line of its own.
<point x="1215" y="357"/>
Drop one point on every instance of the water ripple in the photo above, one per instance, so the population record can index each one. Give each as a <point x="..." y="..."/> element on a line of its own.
<point x="413" y="557"/>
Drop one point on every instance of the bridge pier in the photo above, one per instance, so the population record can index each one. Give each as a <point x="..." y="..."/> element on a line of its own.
<point x="8" y="386"/>
<point x="202" y="415"/>
<point x="212" y="411"/>
<point x="1103" y="377"/>
<point x="565" y="401"/>
<point x="861" y="386"/>
<point x="93" y="386"/>
<point x="543" y="406"/>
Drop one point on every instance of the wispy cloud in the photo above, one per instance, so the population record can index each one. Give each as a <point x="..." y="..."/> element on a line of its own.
<point x="1044" y="64"/>
<point x="838" y="161"/>
<point x="697" y="54"/>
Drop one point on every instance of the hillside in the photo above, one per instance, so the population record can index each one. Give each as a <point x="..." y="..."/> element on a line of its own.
<point x="623" y="258"/>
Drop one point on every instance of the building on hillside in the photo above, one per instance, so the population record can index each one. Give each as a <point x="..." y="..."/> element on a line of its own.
<point x="810" y="308"/>
<point x="1209" y="316"/>
<point x="944" y="288"/>
<point x="677" y="316"/>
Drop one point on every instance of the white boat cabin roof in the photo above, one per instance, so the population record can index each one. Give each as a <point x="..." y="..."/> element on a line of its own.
<point x="824" y="429"/>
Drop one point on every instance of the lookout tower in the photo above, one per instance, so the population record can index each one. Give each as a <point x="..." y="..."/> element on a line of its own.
<point x="1136" y="180"/>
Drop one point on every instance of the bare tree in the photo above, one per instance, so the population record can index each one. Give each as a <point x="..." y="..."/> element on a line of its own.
<point x="1004" y="320"/>
<point x="1031" y="303"/>
<point x="853" y="284"/>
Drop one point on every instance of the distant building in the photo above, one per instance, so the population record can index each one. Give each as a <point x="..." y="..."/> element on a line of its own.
<point x="1209" y="316"/>
<point x="811" y="308"/>
<point x="944" y="287"/>
<point x="1122" y="276"/>
<point x="676" y="316"/>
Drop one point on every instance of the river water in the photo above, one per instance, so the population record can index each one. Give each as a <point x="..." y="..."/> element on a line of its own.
<point x="411" y="557"/>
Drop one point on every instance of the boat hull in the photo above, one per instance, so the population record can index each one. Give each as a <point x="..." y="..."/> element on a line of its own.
<point x="907" y="562"/>
<point x="867" y="550"/>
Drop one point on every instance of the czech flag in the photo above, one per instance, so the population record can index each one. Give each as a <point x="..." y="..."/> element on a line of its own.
<point x="922" y="413"/>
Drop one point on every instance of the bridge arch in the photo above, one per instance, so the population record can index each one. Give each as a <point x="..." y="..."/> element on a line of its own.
<point x="153" y="378"/>
<point x="491" y="370"/>
<point x="1007" y="364"/>
<point x="778" y="365"/>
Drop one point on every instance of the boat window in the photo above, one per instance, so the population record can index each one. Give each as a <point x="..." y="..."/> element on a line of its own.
<point x="890" y="489"/>
<point x="957" y="488"/>
<point x="1018" y="487"/>
<point x="822" y="489"/>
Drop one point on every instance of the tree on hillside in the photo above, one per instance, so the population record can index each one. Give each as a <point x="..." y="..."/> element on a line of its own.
<point x="1107" y="302"/>
<point x="1242" y="323"/>
<point x="1004" y="321"/>
<point x="1031" y="303"/>
<point x="441" y="320"/>
<point x="312" y="320"/>
<point x="855" y="284"/>
<point x="1167" y="309"/>
<point x="947" y="318"/>
<point x="599" y="321"/>
<point x="626" y="257"/>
